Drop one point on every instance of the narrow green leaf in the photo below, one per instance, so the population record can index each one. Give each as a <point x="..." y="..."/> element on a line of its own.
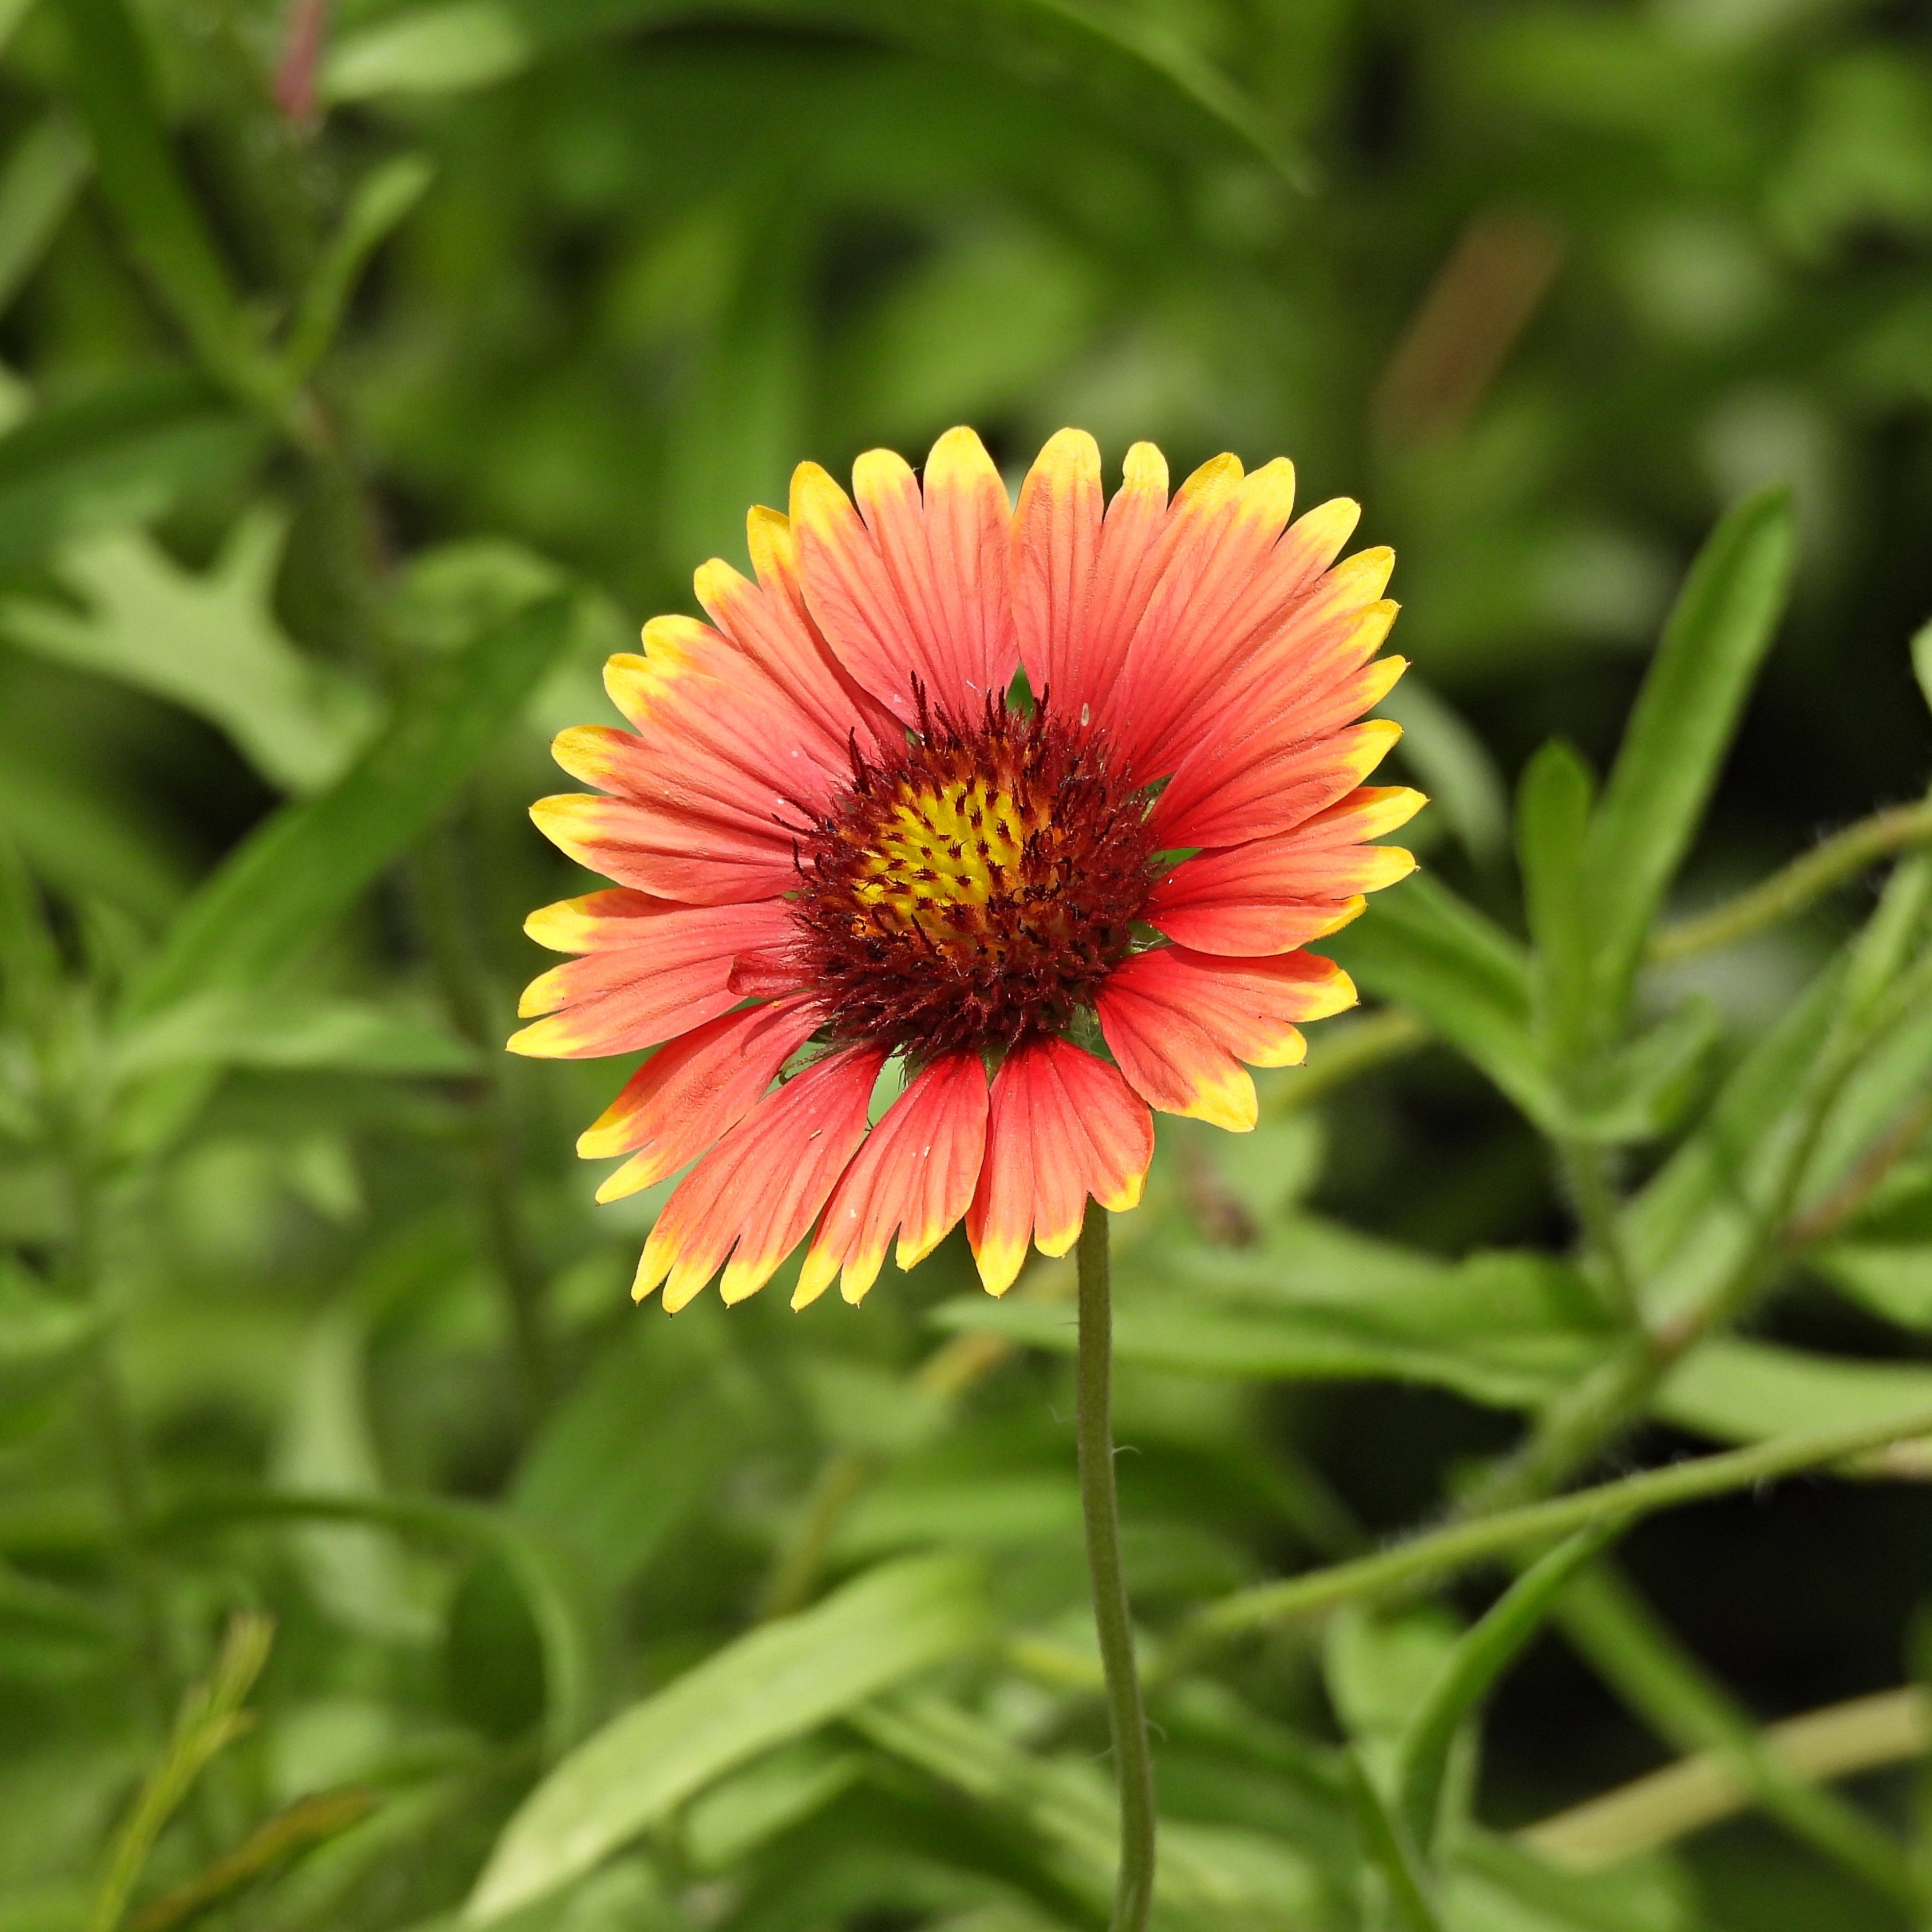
<point x="1126" y="63"/>
<point x="1736" y="1389"/>
<point x="1391" y="1852"/>
<point x="211" y="1717"/>
<point x="776" y="1683"/>
<point x="1480" y="1656"/>
<point x="1207" y="1877"/>
<point x="1319" y="1302"/>
<point x="292" y="1033"/>
<point x="42" y="1341"/>
<point x="1713" y="643"/>
<point x="274" y="898"/>
<point x="1420" y="946"/>
<point x="1495" y="1883"/>
<point x="379" y="204"/>
<point x="1552" y="826"/>
<point x="1453" y="765"/>
<point x="543" y="1572"/>
<point x="41" y="179"/>
<point x="161" y="223"/>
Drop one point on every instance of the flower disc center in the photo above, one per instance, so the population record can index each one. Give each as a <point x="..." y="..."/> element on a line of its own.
<point x="975" y="887"/>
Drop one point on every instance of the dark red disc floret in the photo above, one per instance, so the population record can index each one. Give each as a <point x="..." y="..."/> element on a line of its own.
<point x="974" y="887"/>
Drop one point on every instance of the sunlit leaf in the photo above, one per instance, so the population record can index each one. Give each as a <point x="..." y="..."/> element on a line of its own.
<point x="1711" y="646"/>
<point x="207" y="640"/>
<point x="274" y="899"/>
<point x="774" y="1684"/>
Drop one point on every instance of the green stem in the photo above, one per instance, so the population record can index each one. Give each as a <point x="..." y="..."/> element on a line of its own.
<point x="1597" y="1210"/>
<point x="1100" y="1502"/>
<point x="1789" y="891"/>
<point x="1440" y="1551"/>
<point x="1708" y="1786"/>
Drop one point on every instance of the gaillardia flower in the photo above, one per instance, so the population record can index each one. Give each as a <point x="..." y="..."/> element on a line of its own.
<point x="845" y="835"/>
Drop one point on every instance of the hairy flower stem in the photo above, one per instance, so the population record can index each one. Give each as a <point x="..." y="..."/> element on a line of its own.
<point x="1133" y="1761"/>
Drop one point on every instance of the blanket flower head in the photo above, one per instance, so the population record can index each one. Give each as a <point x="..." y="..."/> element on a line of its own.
<point x="845" y="835"/>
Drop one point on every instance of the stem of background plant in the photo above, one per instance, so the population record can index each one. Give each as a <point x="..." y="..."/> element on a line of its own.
<point x="1133" y="1761"/>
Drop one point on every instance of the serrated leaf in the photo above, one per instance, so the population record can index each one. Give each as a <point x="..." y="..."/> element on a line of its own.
<point x="774" y="1684"/>
<point x="207" y="641"/>
<point x="272" y="901"/>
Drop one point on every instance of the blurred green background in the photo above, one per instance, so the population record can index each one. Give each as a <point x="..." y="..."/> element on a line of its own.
<point x="376" y="369"/>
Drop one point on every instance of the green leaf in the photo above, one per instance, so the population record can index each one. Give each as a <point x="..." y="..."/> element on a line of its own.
<point x="291" y="1032"/>
<point x="739" y="1813"/>
<point x="37" y="187"/>
<point x="274" y="899"/>
<point x="1389" y="1848"/>
<point x="1736" y="1390"/>
<point x="1420" y="946"/>
<point x="1713" y="643"/>
<point x="636" y="1448"/>
<point x="79" y="838"/>
<point x="1124" y="60"/>
<point x="771" y="1685"/>
<point x="1495" y="1884"/>
<point x="1884" y="1259"/>
<point x="1206" y="1877"/>
<point x="1690" y="1226"/>
<point x="1480" y="1656"/>
<point x="1453" y="765"/>
<point x="544" y="1574"/>
<point x="118" y="455"/>
<point x="43" y="1342"/>
<point x="1552" y="826"/>
<point x="381" y="202"/>
<point x="326" y="1443"/>
<point x="108" y="76"/>
<point x="208" y="642"/>
<point x="1314" y="1301"/>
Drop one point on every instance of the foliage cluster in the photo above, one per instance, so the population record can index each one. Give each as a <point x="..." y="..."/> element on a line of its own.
<point x="366" y="1562"/>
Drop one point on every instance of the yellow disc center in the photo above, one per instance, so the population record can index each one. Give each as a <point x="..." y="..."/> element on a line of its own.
<point x="957" y="845"/>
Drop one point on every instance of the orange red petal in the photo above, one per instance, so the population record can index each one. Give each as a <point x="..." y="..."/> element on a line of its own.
<point x="693" y="1092"/>
<point x="753" y="1196"/>
<point x="914" y="593"/>
<point x="1274" y="893"/>
<point x="1064" y="1126"/>
<point x="649" y="971"/>
<point x="1180" y="1023"/>
<point x="914" y="1176"/>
